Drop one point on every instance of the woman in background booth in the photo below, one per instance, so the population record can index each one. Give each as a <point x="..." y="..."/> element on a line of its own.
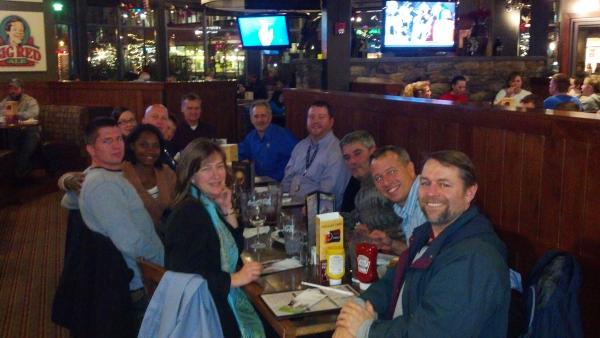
<point x="590" y="95"/>
<point x="142" y="167"/>
<point x="420" y="89"/>
<point x="204" y="237"/>
<point x="513" y="94"/>
<point x="125" y="119"/>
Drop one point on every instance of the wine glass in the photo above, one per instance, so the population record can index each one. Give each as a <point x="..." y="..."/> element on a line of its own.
<point x="257" y="219"/>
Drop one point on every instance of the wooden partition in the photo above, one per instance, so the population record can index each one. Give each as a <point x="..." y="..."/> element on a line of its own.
<point x="133" y="95"/>
<point x="219" y="107"/>
<point x="538" y="172"/>
<point x="218" y="98"/>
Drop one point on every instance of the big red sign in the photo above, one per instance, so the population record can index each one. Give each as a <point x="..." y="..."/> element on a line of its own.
<point x="22" y="41"/>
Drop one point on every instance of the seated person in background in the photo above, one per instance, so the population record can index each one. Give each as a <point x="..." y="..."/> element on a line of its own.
<point x="158" y="116"/>
<point x="268" y="145"/>
<point x="316" y="163"/>
<point x="513" y="94"/>
<point x="171" y="128"/>
<point x="23" y="141"/>
<point x="372" y="211"/>
<point x="276" y="103"/>
<point x="453" y="281"/>
<point x="125" y="119"/>
<point x="204" y="237"/>
<point x="531" y="101"/>
<point x="458" y="91"/>
<point x="420" y="89"/>
<point x="590" y="95"/>
<point x="153" y="180"/>
<point x="257" y="87"/>
<point x="110" y="206"/>
<point x="395" y="178"/>
<point x="575" y="84"/>
<point x="558" y="87"/>
<point x="191" y="127"/>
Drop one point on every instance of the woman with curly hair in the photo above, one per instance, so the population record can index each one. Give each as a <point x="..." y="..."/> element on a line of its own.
<point x="420" y="89"/>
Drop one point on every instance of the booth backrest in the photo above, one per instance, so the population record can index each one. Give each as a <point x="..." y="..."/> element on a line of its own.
<point x="63" y="124"/>
<point x="537" y="171"/>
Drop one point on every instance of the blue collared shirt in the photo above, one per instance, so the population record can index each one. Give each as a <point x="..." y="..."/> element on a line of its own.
<point x="411" y="213"/>
<point x="270" y="153"/>
<point x="327" y="172"/>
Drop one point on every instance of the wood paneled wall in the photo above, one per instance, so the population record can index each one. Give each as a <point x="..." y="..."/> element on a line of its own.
<point x="133" y="95"/>
<point x="538" y="173"/>
<point x="218" y="98"/>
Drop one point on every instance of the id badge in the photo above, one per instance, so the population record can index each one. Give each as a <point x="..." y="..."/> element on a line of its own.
<point x="295" y="186"/>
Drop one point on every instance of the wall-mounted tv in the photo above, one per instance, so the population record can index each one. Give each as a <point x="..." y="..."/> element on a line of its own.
<point x="264" y="31"/>
<point x="419" y="25"/>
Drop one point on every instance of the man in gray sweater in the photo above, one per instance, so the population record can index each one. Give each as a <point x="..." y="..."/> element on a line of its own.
<point x="110" y="205"/>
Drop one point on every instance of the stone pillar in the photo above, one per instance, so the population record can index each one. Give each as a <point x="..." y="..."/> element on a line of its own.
<point x="336" y="46"/>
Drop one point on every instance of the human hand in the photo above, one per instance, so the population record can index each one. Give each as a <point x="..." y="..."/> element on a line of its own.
<point x="510" y="91"/>
<point x="381" y="240"/>
<point x="73" y="181"/>
<point x="361" y="229"/>
<point x="224" y="201"/>
<point x="352" y="316"/>
<point x="249" y="273"/>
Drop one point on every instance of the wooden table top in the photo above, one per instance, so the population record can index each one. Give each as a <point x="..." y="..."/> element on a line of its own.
<point x="285" y="281"/>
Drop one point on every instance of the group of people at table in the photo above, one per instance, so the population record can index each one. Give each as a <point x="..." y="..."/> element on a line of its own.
<point x="452" y="277"/>
<point x="581" y="93"/>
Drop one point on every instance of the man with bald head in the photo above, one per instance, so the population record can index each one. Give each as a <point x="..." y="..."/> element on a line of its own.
<point x="158" y="116"/>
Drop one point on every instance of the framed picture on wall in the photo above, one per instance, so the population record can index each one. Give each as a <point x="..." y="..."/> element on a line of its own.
<point x="22" y="42"/>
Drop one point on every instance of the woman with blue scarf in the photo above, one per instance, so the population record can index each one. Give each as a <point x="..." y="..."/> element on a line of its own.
<point x="203" y="237"/>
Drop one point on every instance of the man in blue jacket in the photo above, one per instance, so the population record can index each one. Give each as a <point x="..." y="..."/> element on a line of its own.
<point x="453" y="280"/>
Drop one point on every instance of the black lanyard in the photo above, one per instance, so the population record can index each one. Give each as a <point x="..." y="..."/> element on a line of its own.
<point x="310" y="159"/>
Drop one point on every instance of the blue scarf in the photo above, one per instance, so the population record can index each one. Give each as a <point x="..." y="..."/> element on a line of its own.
<point x="248" y="322"/>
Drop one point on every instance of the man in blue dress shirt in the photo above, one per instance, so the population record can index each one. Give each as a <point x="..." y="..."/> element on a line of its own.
<point x="316" y="163"/>
<point x="268" y="145"/>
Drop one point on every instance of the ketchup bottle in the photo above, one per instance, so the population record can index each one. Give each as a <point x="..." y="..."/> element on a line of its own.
<point x="366" y="264"/>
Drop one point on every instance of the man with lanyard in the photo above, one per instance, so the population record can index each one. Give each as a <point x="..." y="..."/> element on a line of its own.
<point x="316" y="163"/>
<point x="453" y="280"/>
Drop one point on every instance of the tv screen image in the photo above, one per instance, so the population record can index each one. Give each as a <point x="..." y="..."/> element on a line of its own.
<point x="264" y="32"/>
<point x="419" y="24"/>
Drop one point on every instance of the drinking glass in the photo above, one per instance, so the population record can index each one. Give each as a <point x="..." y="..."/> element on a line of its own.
<point x="257" y="219"/>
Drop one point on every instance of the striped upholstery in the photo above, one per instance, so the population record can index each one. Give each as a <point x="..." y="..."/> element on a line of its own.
<point x="63" y="124"/>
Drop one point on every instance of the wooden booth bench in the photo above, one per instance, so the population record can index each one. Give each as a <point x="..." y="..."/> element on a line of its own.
<point x="538" y="172"/>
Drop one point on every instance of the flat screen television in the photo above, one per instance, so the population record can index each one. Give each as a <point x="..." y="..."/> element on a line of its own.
<point x="419" y="26"/>
<point x="264" y="31"/>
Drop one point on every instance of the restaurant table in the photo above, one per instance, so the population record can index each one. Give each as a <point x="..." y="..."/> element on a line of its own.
<point x="286" y="281"/>
<point x="5" y="129"/>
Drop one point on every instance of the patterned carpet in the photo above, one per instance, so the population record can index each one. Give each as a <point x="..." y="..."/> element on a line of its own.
<point x="31" y="257"/>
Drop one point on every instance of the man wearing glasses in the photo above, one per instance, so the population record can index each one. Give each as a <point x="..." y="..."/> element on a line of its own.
<point x="395" y="178"/>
